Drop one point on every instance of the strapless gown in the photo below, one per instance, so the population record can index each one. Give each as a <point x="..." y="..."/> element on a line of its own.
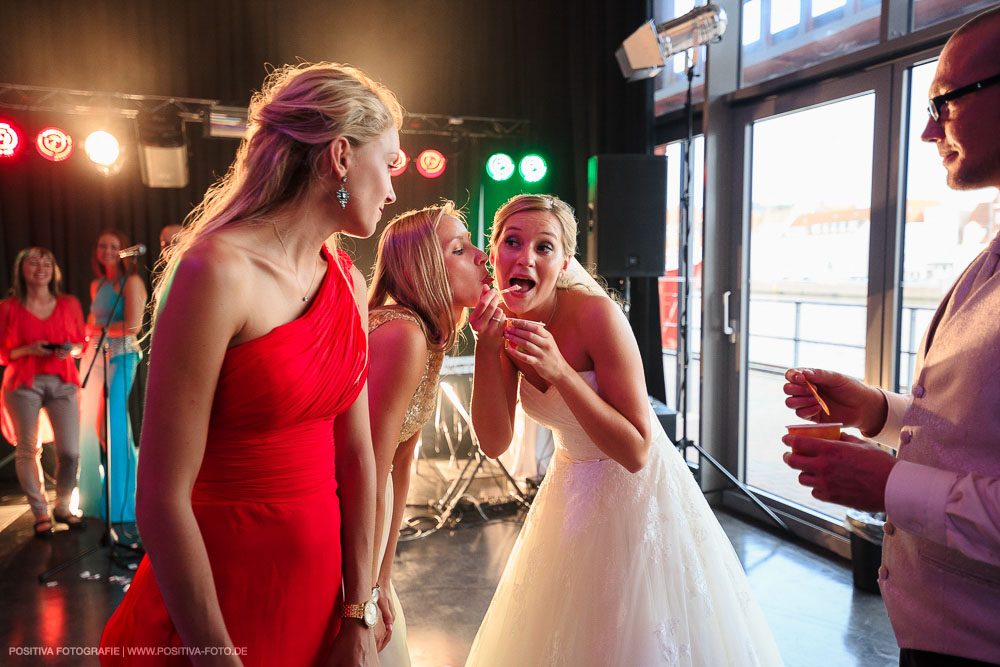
<point x="614" y="569"/>
<point x="266" y="495"/>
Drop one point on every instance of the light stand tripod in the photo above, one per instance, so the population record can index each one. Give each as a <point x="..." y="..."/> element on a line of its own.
<point x="110" y="538"/>
<point x="444" y="507"/>
<point x="683" y="299"/>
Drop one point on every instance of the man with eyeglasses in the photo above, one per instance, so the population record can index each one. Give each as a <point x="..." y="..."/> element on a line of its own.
<point x="940" y="574"/>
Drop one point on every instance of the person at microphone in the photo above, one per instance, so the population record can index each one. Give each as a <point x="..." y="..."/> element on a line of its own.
<point x="118" y="300"/>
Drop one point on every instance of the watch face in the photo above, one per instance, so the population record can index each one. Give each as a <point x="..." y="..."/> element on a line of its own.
<point x="371" y="614"/>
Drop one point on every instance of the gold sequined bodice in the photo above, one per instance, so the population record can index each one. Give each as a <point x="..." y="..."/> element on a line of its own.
<point x="418" y="412"/>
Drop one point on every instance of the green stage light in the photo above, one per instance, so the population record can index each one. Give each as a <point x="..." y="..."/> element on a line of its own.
<point x="500" y="167"/>
<point x="533" y="168"/>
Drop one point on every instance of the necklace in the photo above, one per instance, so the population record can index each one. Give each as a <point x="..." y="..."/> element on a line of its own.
<point x="288" y="265"/>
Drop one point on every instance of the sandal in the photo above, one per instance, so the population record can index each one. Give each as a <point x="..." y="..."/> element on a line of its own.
<point x="72" y="520"/>
<point x="46" y="532"/>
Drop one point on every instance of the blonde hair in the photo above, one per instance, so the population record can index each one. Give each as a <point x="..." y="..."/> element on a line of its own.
<point x="292" y="120"/>
<point x="17" y="287"/>
<point x="410" y="271"/>
<point x="576" y="276"/>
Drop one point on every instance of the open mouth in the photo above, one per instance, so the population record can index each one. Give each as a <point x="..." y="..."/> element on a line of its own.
<point x="521" y="285"/>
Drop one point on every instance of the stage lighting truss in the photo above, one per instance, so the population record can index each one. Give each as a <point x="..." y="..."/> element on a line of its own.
<point x="230" y="121"/>
<point x="88" y="103"/>
<point x="464" y="127"/>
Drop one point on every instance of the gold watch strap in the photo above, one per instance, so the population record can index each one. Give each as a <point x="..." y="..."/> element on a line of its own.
<point x="353" y="611"/>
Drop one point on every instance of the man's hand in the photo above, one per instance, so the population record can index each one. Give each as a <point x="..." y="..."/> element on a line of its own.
<point x="848" y="471"/>
<point x="851" y="401"/>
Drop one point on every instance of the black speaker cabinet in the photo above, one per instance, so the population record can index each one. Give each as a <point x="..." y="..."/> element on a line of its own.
<point x="627" y="214"/>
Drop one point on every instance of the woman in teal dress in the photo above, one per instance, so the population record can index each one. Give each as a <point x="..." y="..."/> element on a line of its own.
<point x="113" y="275"/>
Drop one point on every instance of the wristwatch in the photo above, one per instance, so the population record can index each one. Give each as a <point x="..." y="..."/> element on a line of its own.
<point x="366" y="612"/>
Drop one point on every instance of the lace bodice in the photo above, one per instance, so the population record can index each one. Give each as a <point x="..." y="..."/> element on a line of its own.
<point x="421" y="406"/>
<point x="550" y="410"/>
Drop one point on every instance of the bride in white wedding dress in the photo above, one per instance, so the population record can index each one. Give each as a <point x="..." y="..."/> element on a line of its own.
<point x="620" y="561"/>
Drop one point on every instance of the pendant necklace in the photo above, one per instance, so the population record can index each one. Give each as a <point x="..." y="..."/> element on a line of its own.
<point x="288" y="265"/>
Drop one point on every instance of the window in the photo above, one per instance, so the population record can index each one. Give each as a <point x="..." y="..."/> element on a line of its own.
<point x="807" y="303"/>
<point x="944" y="229"/>
<point x="669" y="284"/>
<point x="781" y="36"/>
<point x="929" y="12"/>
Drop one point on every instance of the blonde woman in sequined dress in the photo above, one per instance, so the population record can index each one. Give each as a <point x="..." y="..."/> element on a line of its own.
<point x="427" y="273"/>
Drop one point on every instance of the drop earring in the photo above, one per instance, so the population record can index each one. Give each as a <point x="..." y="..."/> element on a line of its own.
<point x="342" y="194"/>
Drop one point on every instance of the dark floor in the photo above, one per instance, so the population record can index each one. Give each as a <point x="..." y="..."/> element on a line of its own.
<point x="445" y="582"/>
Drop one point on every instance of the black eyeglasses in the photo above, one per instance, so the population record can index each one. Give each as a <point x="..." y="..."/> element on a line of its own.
<point x="935" y="104"/>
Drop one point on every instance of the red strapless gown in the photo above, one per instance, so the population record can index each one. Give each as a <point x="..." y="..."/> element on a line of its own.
<point x="265" y="497"/>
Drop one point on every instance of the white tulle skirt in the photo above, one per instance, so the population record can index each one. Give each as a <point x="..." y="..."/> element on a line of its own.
<point x="619" y="569"/>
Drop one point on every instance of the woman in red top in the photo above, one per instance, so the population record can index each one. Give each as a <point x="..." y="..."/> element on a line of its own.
<point x="40" y="330"/>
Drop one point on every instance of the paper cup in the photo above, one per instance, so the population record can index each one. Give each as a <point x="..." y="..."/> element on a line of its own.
<point x="515" y="321"/>
<point x="512" y="322"/>
<point x="825" y="431"/>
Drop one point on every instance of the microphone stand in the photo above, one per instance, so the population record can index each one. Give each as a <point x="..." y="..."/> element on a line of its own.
<point x="110" y="537"/>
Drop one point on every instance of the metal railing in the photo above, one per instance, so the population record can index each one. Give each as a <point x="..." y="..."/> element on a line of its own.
<point x="908" y="350"/>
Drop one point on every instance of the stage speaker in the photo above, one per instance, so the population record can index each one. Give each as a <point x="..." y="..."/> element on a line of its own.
<point x="162" y="150"/>
<point x="627" y="214"/>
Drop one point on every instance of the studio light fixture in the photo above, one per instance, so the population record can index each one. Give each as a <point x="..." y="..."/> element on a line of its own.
<point x="9" y="140"/>
<point x="103" y="150"/>
<point x="532" y="168"/>
<point x="54" y="144"/>
<point x="399" y="166"/>
<point x="162" y="149"/>
<point x="431" y="163"/>
<point x="646" y="51"/>
<point x="500" y="167"/>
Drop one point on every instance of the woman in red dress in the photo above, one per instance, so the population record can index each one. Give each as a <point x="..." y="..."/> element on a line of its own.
<point x="255" y="496"/>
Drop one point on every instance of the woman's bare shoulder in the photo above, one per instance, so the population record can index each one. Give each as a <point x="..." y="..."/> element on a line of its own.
<point x="224" y="257"/>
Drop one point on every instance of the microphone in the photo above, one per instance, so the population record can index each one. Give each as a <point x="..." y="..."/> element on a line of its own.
<point x="132" y="251"/>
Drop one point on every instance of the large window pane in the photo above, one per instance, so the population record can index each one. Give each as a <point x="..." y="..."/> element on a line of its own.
<point x="944" y="230"/>
<point x="929" y="12"/>
<point x="811" y="196"/>
<point x="669" y="284"/>
<point x="781" y="36"/>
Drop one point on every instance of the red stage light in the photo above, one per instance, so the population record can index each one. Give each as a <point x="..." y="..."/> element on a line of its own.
<point x="431" y="163"/>
<point x="8" y="140"/>
<point x="54" y="144"/>
<point x="399" y="166"/>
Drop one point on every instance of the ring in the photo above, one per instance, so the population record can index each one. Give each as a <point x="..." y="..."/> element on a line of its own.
<point x="495" y="318"/>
